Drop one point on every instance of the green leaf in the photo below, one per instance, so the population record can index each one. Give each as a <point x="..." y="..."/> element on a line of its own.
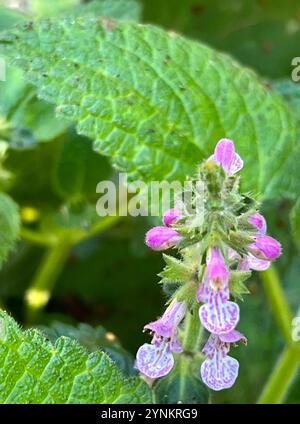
<point x="93" y="339"/>
<point x="290" y="91"/>
<point x="9" y="225"/>
<point x="35" y="371"/>
<point x="118" y="9"/>
<point x="182" y="385"/>
<point x="237" y="286"/>
<point x="295" y="221"/>
<point x="155" y="102"/>
<point x="125" y="10"/>
<point x="9" y="18"/>
<point x="176" y="270"/>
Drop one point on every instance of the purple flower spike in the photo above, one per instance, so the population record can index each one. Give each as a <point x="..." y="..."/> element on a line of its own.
<point x="226" y="156"/>
<point x="217" y="271"/>
<point x="266" y="248"/>
<point x="162" y="238"/>
<point x="259" y="222"/>
<point x="171" y="216"/>
<point x="156" y="359"/>
<point x="219" y="371"/>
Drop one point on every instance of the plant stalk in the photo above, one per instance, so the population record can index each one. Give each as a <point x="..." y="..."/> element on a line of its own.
<point x="281" y="378"/>
<point x="39" y="292"/>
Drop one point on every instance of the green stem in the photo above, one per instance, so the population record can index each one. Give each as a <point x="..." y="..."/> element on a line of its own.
<point x="40" y="239"/>
<point x="37" y="296"/>
<point x="281" y="378"/>
<point x="193" y="332"/>
<point x="59" y="246"/>
<point x="278" y="302"/>
<point x="287" y="366"/>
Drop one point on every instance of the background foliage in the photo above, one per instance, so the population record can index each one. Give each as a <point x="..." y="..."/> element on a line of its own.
<point x="50" y="172"/>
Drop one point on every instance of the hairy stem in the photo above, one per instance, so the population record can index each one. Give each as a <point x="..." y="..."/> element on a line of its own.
<point x="281" y="378"/>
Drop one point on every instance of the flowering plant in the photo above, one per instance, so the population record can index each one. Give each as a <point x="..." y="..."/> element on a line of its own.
<point x="217" y="256"/>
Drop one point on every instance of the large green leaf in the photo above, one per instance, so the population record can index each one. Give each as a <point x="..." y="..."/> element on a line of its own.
<point x="93" y="339"/>
<point x="119" y="9"/>
<point x="291" y="93"/>
<point x="33" y="370"/>
<point x="157" y="102"/>
<point x="9" y="225"/>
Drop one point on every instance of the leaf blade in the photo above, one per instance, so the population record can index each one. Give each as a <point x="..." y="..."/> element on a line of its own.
<point x="156" y="102"/>
<point x="35" y="371"/>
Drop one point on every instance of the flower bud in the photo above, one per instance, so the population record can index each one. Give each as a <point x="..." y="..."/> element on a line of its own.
<point x="162" y="238"/>
<point x="226" y="156"/>
<point x="266" y="248"/>
<point x="259" y="222"/>
<point x="171" y="216"/>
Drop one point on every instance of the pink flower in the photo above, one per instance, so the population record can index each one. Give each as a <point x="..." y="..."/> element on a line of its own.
<point x="156" y="359"/>
<point x="217" y="271"/>
<point x="171" y="216"/>
<point x="219" y="371"/>
<point x="226" y="156"/>
<point x="259" y="222"/>
<point x="162" y="238"/>
<point x="266" y="248"/>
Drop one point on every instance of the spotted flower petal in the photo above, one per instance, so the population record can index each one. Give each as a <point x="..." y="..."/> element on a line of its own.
<point x="154" y="361"/>
<point x="219" y="315"/>
<point x="219" y="372"/>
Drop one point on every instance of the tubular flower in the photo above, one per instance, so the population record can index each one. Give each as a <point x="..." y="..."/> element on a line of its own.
<point x="215" y="249"/>
<point x="156" y="359"/>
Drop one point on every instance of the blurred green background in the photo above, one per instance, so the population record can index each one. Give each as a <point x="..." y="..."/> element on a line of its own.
<point x="112" y="279"/>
